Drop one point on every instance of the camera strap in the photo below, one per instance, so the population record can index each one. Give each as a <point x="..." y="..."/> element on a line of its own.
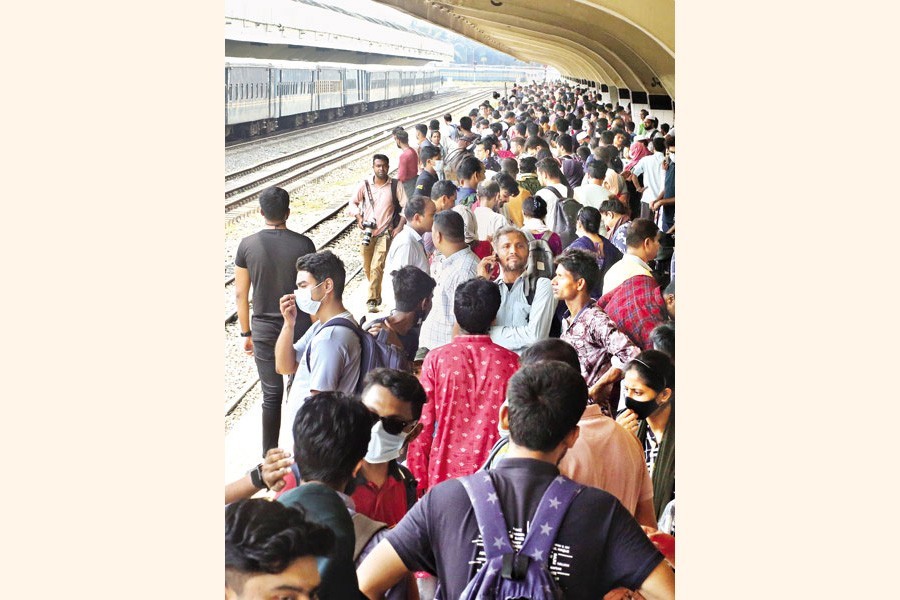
<point x="371" y="201"/>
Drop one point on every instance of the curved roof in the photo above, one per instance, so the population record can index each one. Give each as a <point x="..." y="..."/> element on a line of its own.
<point x="622" y="43"/>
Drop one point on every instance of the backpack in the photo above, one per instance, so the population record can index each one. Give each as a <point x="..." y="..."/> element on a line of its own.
<point x="566" y="216"/>
<point x="540" y="264"/>
<point x="364" y="529"/>
<point x="507" y="573"/>
<point x="375" y="351"/>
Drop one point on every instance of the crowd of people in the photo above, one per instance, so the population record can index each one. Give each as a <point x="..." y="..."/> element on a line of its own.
<point x="509" y="425"/>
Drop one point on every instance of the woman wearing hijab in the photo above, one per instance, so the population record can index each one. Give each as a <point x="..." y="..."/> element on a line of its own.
<point x="639" y="150"/>
<point x="615" y="185"/>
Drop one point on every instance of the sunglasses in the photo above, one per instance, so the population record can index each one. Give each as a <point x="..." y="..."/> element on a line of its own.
<point x="392" y="425"/>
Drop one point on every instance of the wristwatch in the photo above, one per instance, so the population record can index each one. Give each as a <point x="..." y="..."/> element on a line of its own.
<point x="256" y="477"/>
<point x="246" y="333"/>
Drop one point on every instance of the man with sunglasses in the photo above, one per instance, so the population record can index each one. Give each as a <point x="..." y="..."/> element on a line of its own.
<point x="383" y="489"/>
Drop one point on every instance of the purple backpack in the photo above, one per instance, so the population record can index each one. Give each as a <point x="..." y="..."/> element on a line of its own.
<point x="375" y="351"/>
<point x="507" y="574"/>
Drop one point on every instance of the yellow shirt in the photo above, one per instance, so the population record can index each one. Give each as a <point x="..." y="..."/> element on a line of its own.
<point x="513" y="208"/>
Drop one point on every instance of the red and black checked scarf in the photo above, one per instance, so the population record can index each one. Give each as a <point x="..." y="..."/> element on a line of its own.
<point x="636" y="306"/>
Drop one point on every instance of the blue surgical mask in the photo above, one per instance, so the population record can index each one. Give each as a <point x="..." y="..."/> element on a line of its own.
<point x="383" y="446"/>
<point x="303" y="298"/>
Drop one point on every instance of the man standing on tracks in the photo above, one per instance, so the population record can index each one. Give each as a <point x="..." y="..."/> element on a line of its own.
<point x="409" y="162"/>
<point x="377" y="206"/>
<point x="266" y="261"/>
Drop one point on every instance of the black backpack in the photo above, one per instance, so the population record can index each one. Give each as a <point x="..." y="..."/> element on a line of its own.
<point x="566" y="213"/>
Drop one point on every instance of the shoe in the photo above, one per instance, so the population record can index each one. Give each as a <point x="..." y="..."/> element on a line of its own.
<point x="372" y="305"/>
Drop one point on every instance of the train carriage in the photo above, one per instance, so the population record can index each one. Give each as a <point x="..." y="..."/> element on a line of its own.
<point x="329" y="89"/>
<point x="393" y="86"/>
<point x="354" y="91"/>
<point x="248" y="102"/>
<point x="294" y="95"/>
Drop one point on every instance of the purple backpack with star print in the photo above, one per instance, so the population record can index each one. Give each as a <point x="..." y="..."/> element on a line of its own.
<point x="507" y="574"/>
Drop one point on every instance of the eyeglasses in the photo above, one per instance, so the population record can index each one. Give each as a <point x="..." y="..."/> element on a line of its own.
<point x="392" y="425"/>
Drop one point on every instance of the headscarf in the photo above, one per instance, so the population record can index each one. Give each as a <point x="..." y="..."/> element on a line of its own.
<point x="614" y="183"/>
<point x="638" y="151"/>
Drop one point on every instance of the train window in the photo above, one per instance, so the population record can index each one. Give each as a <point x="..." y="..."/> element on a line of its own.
<point x="624" y="94"/>
<point x="639" y="97"/>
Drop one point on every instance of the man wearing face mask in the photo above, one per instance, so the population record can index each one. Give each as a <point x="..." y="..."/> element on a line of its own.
<point x="432" y="170"/>
<point x="384" y="490"/>
<point x="333" y="353"/>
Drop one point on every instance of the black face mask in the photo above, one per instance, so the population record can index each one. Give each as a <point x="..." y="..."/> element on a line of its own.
<point x="642" y="409"/>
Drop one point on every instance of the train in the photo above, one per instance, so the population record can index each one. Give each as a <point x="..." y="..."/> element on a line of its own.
<point x="265" y="95"/>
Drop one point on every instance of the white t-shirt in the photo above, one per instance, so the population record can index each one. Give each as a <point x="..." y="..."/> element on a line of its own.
<point x="551" y="200"/>
<point x="654" y="176"/>
<point x="488" y="222"/>
<point x="591" y="194"/>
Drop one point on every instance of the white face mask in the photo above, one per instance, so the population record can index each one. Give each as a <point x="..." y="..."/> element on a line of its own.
<point x="383" y="446"/>
<point x="438" y="165"/>
<point x="303" y="298"/>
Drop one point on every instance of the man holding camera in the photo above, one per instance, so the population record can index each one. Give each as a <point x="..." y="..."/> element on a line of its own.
<point x="377" y="206"/>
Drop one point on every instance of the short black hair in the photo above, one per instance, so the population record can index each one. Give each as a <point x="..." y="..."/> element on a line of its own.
<point x="380" y="157"/>
<point x="655" y="369"/>
<point x="426" y="153"/>
<point x="583" y="152"/>
<point x="450" y="224"/>
<point x="566" y="141"/>
<point x="465" y="123"/>
<point x="663" y="338"/>
<point x="475" y="305"/>
<point x="405" y="386"/>
<point x="613" y="205"/>
<point x="582" y="264"/>
<point x="422" y="128"/>
<point x="562" y="124"/>
<point x="331" y="435"/>
<point x="597" y="170"/>
<point x="536" y="142"/>
<point x="469" y="166"/>
<point x="589" y="217"/>
<point x="444" y="187"/>
<point x="546" y="401"/>
<point x="448" y="117"/>
<point x="323" y="265"/>
<point x="550" y="349"/>
<point x="415" y="206"/>
<point x="266" y="537"/>
<point x="640" y="230"/>
<point x="411" y="286"/>
<point x="550" y="168"/>
<point x="527" y="164"/>
<point x="434" y="125"/>
<point x="274" y="203"/>
<point x="402" y="136"/>
<point x="607" y="136"/>
<point x="505" y="180"/>
<point x="659" y="144"/>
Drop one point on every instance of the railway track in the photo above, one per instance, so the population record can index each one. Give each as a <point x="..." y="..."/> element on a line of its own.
<point x="332" y="153"/>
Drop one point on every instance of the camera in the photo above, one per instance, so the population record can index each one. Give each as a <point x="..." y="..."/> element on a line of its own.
<point x="368" y="228"/>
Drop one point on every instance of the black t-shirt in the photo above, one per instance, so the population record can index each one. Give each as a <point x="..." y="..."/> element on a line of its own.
<point x="599" y="547"/>
<point x="271" y="257"/>
<point x="425" y="182"/>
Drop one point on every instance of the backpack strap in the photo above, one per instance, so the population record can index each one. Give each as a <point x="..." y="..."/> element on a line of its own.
<point x="364" y="529"/>
<point x="555" y="191"/>
<point x="395" y="220"/>
<point x="342" y="322"/>
<point x="548" y="517"/>
<point x="491" y="521"/>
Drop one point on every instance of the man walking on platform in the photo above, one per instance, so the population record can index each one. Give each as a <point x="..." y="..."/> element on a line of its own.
<point x="266" y="262"/>
<point x="377" y="206"/>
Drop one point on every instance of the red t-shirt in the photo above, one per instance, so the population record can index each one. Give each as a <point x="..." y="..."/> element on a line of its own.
<point x="409" y="165"/>
<point x="386" y="503"/>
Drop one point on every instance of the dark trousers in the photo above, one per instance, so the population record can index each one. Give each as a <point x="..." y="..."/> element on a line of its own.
<point x="265" y="333"/>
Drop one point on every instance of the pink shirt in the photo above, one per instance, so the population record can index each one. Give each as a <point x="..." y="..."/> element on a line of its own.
<point x="383" y="211"/>
<point x="606" y="456"/>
